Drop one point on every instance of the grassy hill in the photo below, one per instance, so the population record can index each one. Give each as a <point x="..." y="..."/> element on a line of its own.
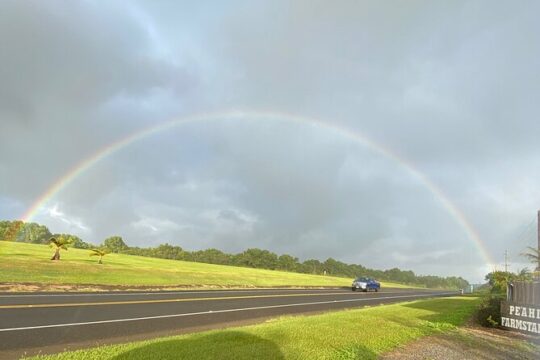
<point x="30" y="263"/>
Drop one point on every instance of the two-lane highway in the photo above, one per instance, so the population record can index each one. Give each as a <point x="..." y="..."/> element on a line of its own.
<point x="32" y="323"/>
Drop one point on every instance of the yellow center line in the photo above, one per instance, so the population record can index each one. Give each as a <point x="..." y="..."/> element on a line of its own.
<point x="25" y="306"/>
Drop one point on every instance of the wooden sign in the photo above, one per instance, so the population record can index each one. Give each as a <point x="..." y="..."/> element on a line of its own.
<point x="521" y="317"/>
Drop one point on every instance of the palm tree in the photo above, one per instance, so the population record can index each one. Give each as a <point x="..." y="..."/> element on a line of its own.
<point x="99" y="252"/>
<point x="524" y="275"/>
<point x="60" y="243"/>
<point x="533" y="255"/>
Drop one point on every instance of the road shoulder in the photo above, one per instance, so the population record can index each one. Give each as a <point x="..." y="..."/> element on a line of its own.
<point x="471" y="342"/>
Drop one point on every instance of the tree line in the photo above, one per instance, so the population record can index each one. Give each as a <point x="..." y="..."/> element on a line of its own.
<point x="253" y="257"/>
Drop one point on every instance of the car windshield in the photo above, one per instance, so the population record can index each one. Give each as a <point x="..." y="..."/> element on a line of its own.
<point x="364" y="279"/>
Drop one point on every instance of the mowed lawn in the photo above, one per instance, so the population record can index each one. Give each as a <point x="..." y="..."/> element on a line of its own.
<point x="30" y="263"/>
<point x="352" y="334"/>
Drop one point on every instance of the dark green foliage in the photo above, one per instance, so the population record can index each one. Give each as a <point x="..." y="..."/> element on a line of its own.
<point x="256" y="258"/>
<point x="288" y="263"/>
<point x="34" y="233"/>
<point x="115" y="244"/>
<point x="209" y="256"/>
<point x="75" y="241"/>
<point x="166" y="251"/>
<point x="334" y="267"/>
<point x="148" y="252"/>
<point x="489" y="312"/>
<point x="311" y="266"/>
<point x="9" y="230"/>
<point x="498" y="280"/>
<point x="439" y="282"/>
<point x="24" y="232"/>
<point x="163" y="251"/>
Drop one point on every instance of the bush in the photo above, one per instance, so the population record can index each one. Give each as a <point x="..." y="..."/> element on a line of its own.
<point x="489" y="312"/>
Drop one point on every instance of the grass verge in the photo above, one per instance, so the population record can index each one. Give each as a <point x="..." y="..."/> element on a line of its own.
<point x="470" y="342"/>
<point x="352" y="334"/>
<point x="29" y="263"/>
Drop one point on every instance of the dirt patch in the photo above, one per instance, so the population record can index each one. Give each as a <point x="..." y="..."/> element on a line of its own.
<point x="38" y="287"/>
<point x="470" y="343"/>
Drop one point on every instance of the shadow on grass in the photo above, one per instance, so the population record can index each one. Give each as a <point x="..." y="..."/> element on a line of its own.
<point x="231" y="345"/>
<point x="452" y="311"/>
<point x="354" y="352"/>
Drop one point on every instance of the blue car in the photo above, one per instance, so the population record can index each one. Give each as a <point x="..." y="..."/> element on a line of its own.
<point x="365" y="284"/>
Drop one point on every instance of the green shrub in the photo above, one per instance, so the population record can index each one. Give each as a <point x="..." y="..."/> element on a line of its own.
<point x="489" y="312"/>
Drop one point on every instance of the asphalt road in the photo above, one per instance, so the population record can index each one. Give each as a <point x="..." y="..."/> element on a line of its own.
<point x="51" y="322"/>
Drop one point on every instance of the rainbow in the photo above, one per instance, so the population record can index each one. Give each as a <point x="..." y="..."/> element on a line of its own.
<point x="355" y="136"/>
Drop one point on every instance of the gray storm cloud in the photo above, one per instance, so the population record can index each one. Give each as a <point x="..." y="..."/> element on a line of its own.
<point x="451" y="87"/>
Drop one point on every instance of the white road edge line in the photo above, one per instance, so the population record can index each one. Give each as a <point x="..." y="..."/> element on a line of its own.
<point x="183" y="292"/>
<point x="161" y="293"/>
<point x="218" y="312"/>
<point x="322" y="293"/>
<point x="178" y="292"/>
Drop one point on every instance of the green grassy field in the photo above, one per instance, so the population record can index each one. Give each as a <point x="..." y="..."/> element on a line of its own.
<point x="352" y="334"/>
<point x="29" y="263"/>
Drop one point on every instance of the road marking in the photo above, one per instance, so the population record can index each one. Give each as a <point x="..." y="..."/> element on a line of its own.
<point x="217" y="312"/>
<point x="157" y="301"/>
<point x="165" y="293"/>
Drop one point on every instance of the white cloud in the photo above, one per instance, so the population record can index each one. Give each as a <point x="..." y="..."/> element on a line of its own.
<point x="70" y="223"/>
<point x="155" y="225"/>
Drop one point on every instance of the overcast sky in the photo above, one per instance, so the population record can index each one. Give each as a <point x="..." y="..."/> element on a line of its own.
<point x="451" y="87"/>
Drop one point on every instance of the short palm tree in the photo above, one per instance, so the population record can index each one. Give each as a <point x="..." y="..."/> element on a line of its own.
<point x="58" y="244"/>
<point x="99" y="252"/>
<point x="524" y="275"/>
<point x="533" y="255"/>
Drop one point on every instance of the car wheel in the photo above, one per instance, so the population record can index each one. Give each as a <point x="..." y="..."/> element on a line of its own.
<point x="376" y="290"/>
<point x="365" y="290"/>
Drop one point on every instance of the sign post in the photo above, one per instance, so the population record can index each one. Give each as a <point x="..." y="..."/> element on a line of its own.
<point x="538" y="265"/>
